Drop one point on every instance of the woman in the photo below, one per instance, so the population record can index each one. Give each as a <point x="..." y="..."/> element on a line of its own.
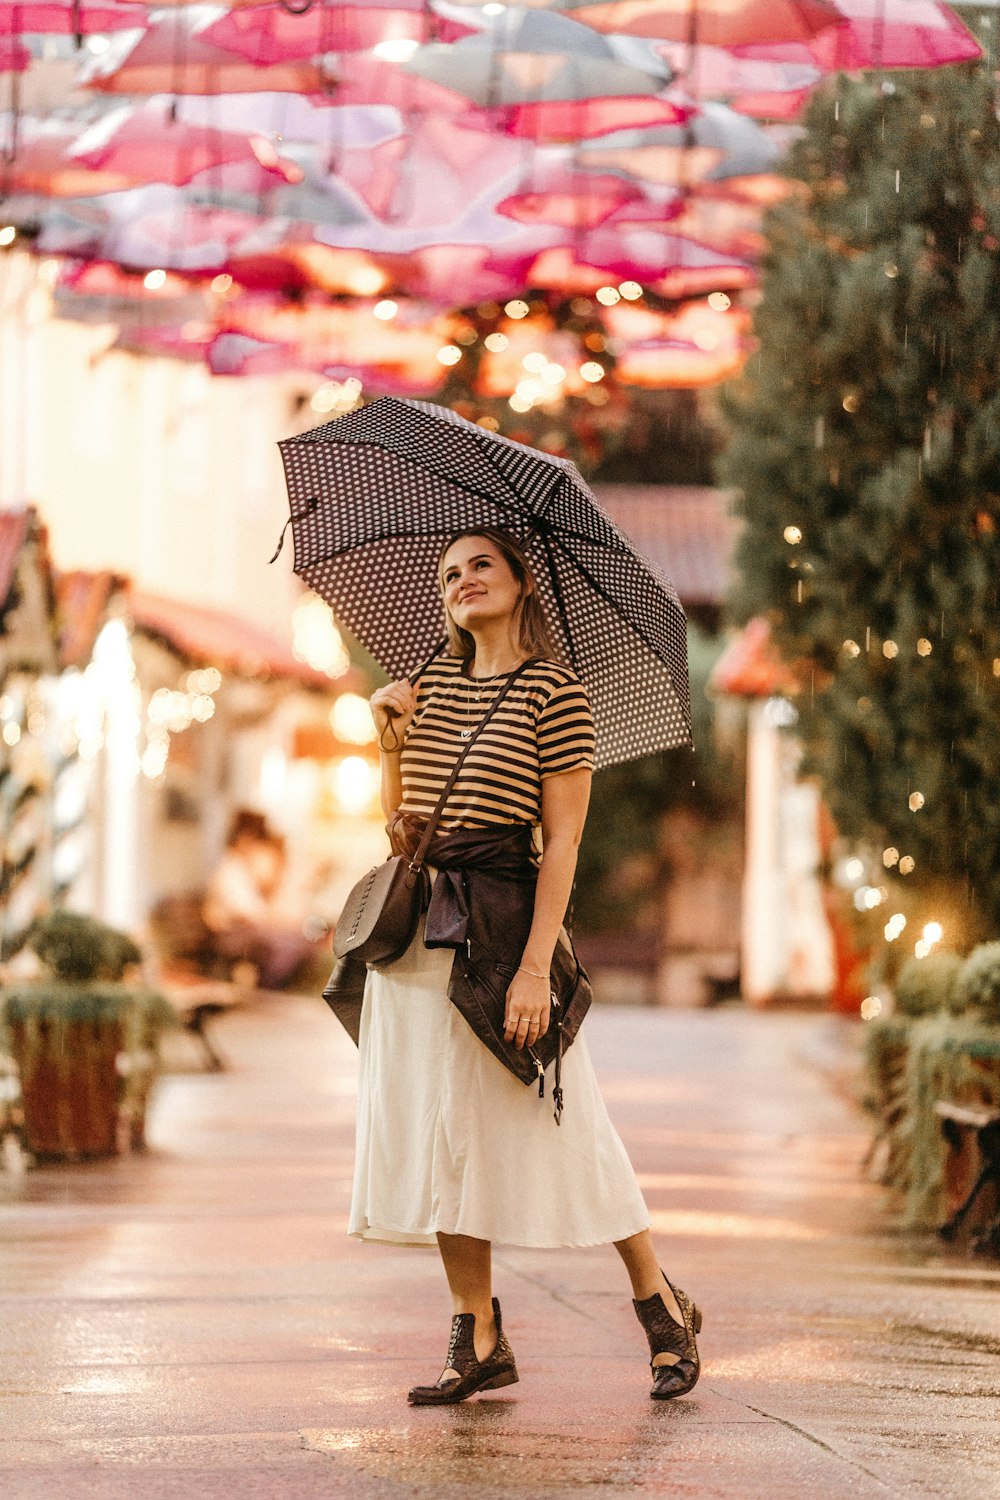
<point x="452" y="1148"/>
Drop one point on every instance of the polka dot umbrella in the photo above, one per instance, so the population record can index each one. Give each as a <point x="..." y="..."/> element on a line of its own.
<point x="375" y="494"/>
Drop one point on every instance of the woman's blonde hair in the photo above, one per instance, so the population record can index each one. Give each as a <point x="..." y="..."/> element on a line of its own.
<point x="532" y="633"/>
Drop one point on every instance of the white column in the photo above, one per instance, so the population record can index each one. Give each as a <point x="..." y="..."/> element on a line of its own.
<point x="762" y="944"/>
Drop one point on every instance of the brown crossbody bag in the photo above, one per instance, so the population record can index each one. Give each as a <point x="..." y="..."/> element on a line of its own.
<point x="382" y="912"/>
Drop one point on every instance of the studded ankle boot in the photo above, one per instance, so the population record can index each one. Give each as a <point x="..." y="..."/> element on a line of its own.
<point x="667" y="1336"/>
<point x="496" y="1370"/>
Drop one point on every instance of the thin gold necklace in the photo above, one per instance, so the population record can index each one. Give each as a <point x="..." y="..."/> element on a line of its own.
<point x="474" y="707"/>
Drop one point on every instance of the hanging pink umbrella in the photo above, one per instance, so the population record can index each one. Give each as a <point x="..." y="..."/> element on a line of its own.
<point x="267" y="33"/>
<point x="69" y="17"/>
<point x="720" y="23"/>
<point x="883" y="34"/>
<point x="643" y="255"/>
<point x="14" y="58"/>
<point x="577" y="119"/>
<point x="555" y="193"/>
<point x="42" y="165"/>
<point x="545" y="77"/>
<point x="786" y="106"/>
<point x="172" y="57"/>
<point x="705" y="72"/>
<point x="147" y="144"/>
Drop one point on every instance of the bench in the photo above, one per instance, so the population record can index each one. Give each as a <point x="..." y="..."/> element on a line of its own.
<point x="199" y="984"/>
<point x="977" y="1126"/>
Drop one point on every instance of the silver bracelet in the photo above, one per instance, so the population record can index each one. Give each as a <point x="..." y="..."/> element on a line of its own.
<point x="533" y="972"/>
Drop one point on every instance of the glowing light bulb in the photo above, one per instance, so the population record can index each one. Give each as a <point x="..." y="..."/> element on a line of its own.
<point x="385" y="310"/>
<point x="450" y="354"/>
<point x="517" y="309"/>
<point x="592" y="372"/>
<point x="792" y="534"/>
<point x="154" y="280"/>
<point x="719" y="302"/>
<point x="608" y="295"/>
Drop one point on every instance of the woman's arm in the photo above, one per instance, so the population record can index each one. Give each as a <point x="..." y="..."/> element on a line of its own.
<point x="564" y="811"/>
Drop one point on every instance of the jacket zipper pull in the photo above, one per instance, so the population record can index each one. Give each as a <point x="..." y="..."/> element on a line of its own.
<point x="541" y="1076"/>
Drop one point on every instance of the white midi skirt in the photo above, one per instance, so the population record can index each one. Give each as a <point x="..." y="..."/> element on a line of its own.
<point x="449" y="1140"/>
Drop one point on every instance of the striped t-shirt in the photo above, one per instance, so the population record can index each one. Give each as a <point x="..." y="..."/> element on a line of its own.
<point x="543" y="726"/>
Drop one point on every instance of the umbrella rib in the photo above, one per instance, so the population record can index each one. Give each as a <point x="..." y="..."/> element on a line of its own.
<point x="560" y="601"/>
<point x="632" y="625"/>
<point x="484" y="449"/>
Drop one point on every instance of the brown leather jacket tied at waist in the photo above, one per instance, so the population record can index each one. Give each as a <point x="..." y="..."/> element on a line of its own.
<point x="481" y="903"/>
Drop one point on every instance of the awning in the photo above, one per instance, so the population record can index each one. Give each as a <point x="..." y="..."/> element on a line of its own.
<point x="14" y="528"/>
<point x="687" y="530"/>
<point x="750" y="666"/>
<point x="83" y="601"/>
<point x="208" y="637"/>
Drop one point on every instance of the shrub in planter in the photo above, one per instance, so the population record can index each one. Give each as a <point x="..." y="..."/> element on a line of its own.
<point x="978" y="984"/>
<point x="926" y="985"/>
<point x="78" y="948"/>
<point x="85" y="1043"/>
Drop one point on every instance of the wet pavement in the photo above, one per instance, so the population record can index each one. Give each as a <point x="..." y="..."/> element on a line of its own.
<point x="196" y="1323"/>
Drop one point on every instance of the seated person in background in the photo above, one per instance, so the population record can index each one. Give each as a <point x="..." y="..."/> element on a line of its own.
<point x="240" y="904"/>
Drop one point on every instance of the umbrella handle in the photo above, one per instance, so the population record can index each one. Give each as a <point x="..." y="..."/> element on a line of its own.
<point x="298" y="515"/>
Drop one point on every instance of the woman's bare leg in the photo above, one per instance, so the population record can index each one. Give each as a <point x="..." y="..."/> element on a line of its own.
<point x="647" y="1279"/>
<point x="468" y="1267"/>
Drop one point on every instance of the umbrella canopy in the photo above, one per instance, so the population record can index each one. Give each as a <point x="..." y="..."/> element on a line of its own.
<point x="150" y="144"/>
<point x="884" y="34"/>
<point x="270" y="33"/>
<point x="13" y="57"/>
<point x="715" y="144"/>
<point x="721" y="23"/>
<point x="375" y="494"/>
<point x="536" y="60"/>
<point x="172" y="57"/>
<point x="68" y="17"/>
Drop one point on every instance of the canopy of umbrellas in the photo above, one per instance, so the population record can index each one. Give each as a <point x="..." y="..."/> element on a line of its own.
<point x="392" y="192"/>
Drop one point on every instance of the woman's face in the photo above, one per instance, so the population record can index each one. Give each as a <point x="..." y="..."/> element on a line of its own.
<point x="478" y="583"/>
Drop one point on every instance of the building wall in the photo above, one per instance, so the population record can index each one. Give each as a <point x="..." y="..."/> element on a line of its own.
<point x="151" y="467"/>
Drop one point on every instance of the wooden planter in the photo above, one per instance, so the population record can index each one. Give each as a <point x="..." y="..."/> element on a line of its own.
<point x="69" y="1085"/>
<point x="72" y="1044"/>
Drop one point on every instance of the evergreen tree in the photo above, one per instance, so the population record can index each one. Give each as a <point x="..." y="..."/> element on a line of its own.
<point x="865" y="446"/>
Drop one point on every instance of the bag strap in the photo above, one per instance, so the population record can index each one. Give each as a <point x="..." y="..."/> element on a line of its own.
<point x="432" y="822"/>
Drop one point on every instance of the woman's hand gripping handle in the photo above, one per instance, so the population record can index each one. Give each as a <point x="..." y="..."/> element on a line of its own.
<point x="392" y="709"/>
